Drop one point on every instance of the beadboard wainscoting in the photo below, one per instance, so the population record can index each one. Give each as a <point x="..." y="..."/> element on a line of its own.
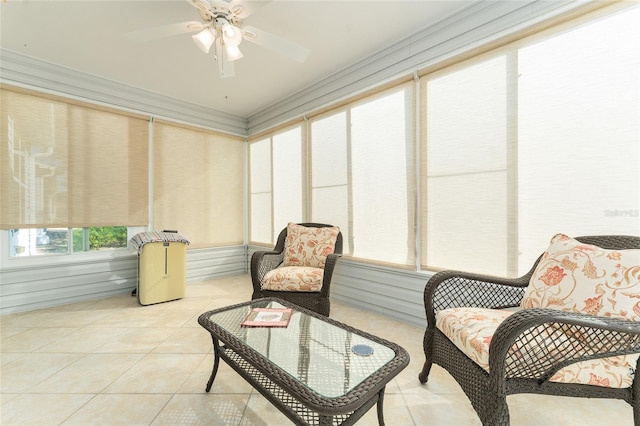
<point x="394" y="293"/>
<point x="26" y="288"/>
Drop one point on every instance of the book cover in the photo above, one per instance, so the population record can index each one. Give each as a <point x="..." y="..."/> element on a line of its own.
<point x="268" y="317"/>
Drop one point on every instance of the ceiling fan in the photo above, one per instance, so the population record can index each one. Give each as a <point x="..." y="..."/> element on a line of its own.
<point x="223" y="28"/>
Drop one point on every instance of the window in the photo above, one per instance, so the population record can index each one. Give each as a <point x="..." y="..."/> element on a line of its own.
<point x="260" y="183"/>
<point x="45" y="241"/>
<point x="287" y="178"/>
<point x="68" y="165"/>
<point x="539" y="138"/>
<point x="75" y="178"/>
<point x="198" y="184"/>
<point x="276" y="165"/>
<point x="72" y="175"/>
<point x="466" y="167"/>
<point x="330" y="173"/>
<point x="362" y="175"/>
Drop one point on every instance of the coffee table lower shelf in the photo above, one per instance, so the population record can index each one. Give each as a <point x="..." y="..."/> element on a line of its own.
<point x="284" y="401"/>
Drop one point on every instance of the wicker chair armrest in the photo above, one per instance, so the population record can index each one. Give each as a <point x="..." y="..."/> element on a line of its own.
<point x="329" y="266"/>
<point x="331" y="261"/>
<point x="452" y="289"/>
<point x="536" y="343"/>
<point x="261" y="263"/>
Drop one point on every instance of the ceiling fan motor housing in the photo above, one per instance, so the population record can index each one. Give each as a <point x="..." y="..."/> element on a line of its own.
<point x="216" y="11"/>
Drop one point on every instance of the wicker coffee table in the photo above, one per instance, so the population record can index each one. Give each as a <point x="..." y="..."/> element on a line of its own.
<point x="317" y="371"/>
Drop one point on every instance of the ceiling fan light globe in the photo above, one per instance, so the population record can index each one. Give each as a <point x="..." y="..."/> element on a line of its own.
<point x="229" y="30"/>
<point x="233" y="53"/>
<point x="232" y="36"/>
<point x="204" y="39"/>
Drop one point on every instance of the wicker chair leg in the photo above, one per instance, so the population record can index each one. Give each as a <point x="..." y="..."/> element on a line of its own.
<point x="427" y="344"/>
<point x="496" y="411"/>
<point x="635" y="395"/>
<point x="424" y="374"/>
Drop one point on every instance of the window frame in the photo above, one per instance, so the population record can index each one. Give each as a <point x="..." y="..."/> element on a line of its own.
<point x="70" y="257"/>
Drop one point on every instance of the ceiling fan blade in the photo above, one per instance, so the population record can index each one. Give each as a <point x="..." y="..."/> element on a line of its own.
<point x="164" y="31"/>
<point x="275" y="43"/>
<point x="204" y="7"/>
<point x="242" y="9"/>
<point x="200" y="4"/>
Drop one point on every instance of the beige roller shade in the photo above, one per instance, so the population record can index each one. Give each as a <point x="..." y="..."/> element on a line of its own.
<point x="198" y="184"/>
<point x="68" y="164"/>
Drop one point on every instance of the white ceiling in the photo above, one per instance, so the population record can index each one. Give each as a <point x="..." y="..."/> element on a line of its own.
<point x="91" y="36"/>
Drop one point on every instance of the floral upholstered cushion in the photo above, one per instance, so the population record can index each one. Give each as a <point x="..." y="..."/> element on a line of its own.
<point x="612" y="372"/>
<point x="309" y="246"/>
<point x="471" y="330"/>
<point x="293" y="278"/>
<point x="584" y="278"/>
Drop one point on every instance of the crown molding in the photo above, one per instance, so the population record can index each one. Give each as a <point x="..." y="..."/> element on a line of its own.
<point x="27" y="72"/>
<point x="481" y="22"/>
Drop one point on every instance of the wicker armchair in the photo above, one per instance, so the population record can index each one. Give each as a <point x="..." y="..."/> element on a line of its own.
<point x="262" y="262"/>
<point x="515" y="364"/>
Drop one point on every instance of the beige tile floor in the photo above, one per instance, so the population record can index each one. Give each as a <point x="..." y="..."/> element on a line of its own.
<point x="114" y="362"/>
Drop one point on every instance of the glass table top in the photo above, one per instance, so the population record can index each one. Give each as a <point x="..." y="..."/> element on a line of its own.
<point x="325" y="357"/>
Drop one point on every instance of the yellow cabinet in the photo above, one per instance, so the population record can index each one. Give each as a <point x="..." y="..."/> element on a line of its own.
<point x="162" y="272"/>
<point x="161" y="266"/>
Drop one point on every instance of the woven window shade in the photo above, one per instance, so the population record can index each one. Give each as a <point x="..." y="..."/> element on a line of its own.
<point x="362" y="175"/>
<point x="198" y="184"/>
<point x="277" y="182"/>
<point x="538" y="137"/>
<point x="287" y="179"/>
<point x="464" y="167"/>
<point x="67" y="164"/>
<point x="260" y="191"/>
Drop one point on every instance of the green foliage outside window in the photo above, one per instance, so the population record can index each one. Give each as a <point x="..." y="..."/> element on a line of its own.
<point x="107" y="237"/>
<point x="100" y="237"/>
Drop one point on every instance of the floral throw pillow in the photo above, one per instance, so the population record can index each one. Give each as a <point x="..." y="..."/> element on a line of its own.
<point x="585" y="278"/>
<point x="309" y="246"/>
